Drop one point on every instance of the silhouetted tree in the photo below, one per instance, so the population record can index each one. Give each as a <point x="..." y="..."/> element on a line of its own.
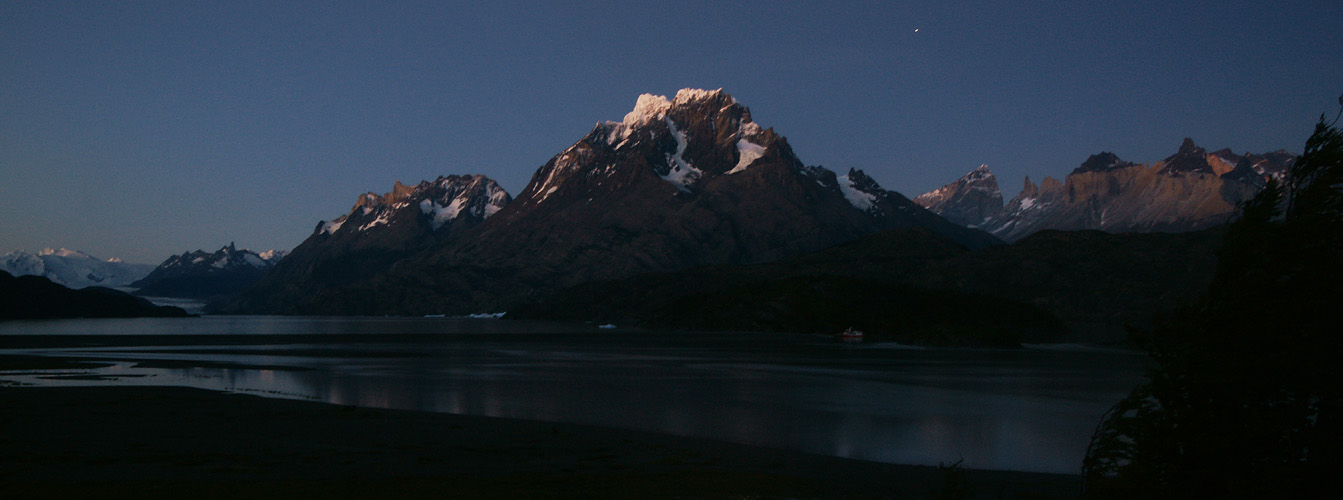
<point x="1244" y="395"/>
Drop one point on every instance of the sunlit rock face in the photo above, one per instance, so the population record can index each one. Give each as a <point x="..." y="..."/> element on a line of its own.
<point x="1189" y="190"/>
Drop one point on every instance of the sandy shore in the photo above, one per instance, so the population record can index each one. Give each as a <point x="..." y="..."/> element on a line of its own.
<point x="189" y="443"/>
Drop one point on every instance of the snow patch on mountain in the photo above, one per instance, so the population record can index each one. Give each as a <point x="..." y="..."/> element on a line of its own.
<point x="441" y="214"/>
<point x="681" y="173"/>
<point x="436" y="202"/>
<point x="860" y="199"/>
<point x="748" y="153"/>
<point x="330" y="227"/>
<point x="380" y="220"/>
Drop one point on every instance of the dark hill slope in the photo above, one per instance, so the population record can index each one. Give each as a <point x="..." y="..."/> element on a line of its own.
<point x="36" y="297"/>
<point x="916" y="286"/>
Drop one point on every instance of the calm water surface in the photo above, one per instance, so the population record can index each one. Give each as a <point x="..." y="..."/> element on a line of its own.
<point x="1029" y="409"/>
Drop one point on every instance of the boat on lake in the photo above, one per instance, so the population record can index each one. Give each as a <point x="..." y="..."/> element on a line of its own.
<point x="851" y="335"/>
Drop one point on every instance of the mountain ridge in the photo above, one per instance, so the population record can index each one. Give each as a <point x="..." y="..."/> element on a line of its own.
<point x="201" y="275"/>
<point x="73" y="268"/>
<point x="677" y="183"/>
<point x="1190" y="190"/>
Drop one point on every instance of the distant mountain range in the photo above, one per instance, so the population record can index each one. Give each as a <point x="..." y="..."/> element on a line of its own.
<point x="73" y="268"/>
<point x="201" y="275"/>
<point x="1189" y="190"/>
<point x="678" y="183"/>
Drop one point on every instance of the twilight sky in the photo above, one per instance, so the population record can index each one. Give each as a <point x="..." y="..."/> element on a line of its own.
<point x="143" y="129"/>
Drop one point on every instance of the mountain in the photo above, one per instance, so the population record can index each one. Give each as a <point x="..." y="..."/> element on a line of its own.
<point x="73" y="269"/>
<point x="1189" y="190"/>
<point x="201" y="275"/>
<point x="678" y="183"/>
<point x="377" y="233"/>
<point x="36" y="297"/>
<point x="970" y="201"/>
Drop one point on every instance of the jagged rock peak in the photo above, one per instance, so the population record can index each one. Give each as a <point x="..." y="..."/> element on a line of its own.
<point x="649" y="107"/>
<point x="980" y="179"/>
<point x="698" y="134"/>
<point x="970" y="201"/>
<point x="1190" y="159"/>
<point x="1104" y="161"/>
<point x="1188" y="147"/>
<point x="441" y="200"/>
<point x="652" y="109"/>
<point x="860" y="189"/>
<point x="1029" y="186"/>
<point x="226" y="257"/>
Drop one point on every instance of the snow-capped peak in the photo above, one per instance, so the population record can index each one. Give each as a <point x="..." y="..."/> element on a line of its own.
<point x="647" y="109"/>
<point x="684" y="96"/>
<point x="65" y="252"/>
<point x="652" y="108"/>
<point x="73" y="268"/>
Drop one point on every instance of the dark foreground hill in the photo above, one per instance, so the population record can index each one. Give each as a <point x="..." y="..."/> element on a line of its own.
<point x="918" y="287"/>
<point x="35" y="297"/>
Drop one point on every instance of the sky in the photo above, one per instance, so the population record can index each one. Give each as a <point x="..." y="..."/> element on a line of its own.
<point x="142" y="129"/>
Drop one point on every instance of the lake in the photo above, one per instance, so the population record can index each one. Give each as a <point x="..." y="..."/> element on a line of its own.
<point x="1029" y="409"/>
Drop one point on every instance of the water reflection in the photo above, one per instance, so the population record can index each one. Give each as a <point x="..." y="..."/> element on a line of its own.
<point x="1021" y="410"/>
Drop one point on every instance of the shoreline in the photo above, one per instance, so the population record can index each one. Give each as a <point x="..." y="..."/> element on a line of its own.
<point x="163" y="442"/>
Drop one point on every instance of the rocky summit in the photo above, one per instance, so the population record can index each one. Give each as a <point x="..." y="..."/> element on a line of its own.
<point x="379" y="231"/>
<point x="677" y="183"/>
<point x="971" y="201"/>
<point x="202" y="275"/>
<point x="1189" y="190"/>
